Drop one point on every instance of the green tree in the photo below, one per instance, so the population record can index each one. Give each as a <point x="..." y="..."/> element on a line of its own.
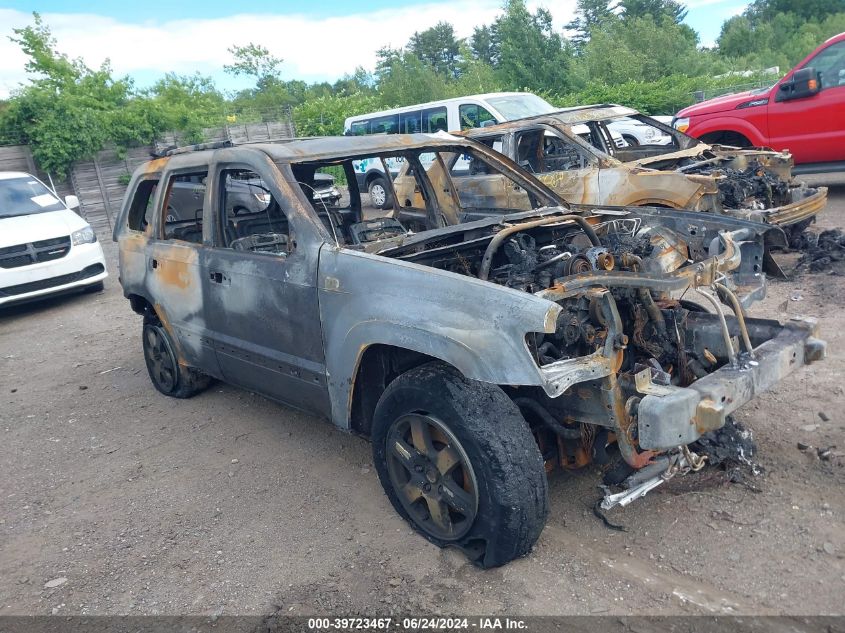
<point x="254" y="60"/>
<point x="532" y="54"/>
<point x="589" y="14"/>
<point x="484" y="44"/>
<point x="403" y="79"/>
<point x="271" y="97"/>
<point x="325" y="115"/>
<point x="779" y="39"/>
<point x="807" y="10"/>
<point x="657" y="9"/>
<point x="643" y="49"/>
<point x="474" y="76"/>
<point x="438" y="48"/>
<point x="186" y="103"/>
<point x="360" y="81"/>
<point x="68" y="110"/>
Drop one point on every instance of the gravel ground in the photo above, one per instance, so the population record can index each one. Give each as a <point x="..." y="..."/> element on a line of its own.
<point x="117" y="500"/>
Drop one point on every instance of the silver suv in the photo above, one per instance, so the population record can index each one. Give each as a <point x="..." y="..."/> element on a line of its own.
<point x="474" y="357"/>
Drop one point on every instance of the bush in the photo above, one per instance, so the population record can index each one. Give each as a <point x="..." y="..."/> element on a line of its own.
<point x="664" y="96"/>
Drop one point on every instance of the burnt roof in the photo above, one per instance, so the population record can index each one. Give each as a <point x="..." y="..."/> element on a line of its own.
<point x="326" y="148"/>
<point x="566" y="116"/>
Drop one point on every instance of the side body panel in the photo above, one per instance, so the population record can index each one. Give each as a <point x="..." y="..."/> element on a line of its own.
<point x="813" y="128"/>
<point x="262" y="310"/>
<point x="476" y="326"/>
<point x="167" y="274"/>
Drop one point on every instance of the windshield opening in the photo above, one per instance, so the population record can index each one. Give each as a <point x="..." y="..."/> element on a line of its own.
<point x="381" y="197"/>
<point x="25" y="195"/>
<point x="521" y="106"/>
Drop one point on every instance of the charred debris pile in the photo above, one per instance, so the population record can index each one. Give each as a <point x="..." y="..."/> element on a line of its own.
<point x="820" y="252"/>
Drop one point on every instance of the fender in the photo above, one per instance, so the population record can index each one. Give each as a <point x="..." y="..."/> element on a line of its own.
<point x="723" y="123"/>
<point x="476" y="326"/>
<point x="639" y="187"/>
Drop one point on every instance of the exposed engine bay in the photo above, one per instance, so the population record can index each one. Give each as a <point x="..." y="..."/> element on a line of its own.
<point x="647" y="293"/>
<point x="745" y="179"/>
<point x="754" y="187"/>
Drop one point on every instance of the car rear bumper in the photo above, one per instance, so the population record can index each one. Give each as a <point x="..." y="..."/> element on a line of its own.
<point x="84" y="265"/>
<point x="669" y="416"/>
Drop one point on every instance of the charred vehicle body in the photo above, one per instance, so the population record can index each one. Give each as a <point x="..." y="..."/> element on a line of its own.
<point x="573" y="152"/>
<point x="474" y="356"/>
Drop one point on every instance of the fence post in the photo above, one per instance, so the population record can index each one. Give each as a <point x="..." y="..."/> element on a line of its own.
<point x="103" y="191"/>
<point x="30" y="163"/>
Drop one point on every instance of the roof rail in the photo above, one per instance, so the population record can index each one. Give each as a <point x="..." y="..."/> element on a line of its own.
<point x="172" y="150"/>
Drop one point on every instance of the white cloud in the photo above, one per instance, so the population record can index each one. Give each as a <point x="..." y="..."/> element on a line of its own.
<point x="313" y="48"/>
<point x="737" y="10"/>
<point x="695" y="4"/>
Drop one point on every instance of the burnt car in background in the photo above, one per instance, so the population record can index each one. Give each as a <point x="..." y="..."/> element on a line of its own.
<point x="473" y="356"/>
<point x="246" y="195"/>
<point x="573" y="152"/>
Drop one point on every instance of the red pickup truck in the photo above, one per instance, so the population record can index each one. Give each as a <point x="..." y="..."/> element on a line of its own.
<point x="804" y="113"/>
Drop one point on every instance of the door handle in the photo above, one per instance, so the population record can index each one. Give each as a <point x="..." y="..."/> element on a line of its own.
<point x="216" y="277"/>
<point x="153" y="263"/>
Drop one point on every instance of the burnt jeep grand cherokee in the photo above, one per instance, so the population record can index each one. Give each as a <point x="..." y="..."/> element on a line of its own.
<point x="475" y="356"/>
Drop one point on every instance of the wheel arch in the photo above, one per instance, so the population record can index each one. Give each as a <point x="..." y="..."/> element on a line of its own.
<point x="141" y="305"/>
<point x="721" y="125"/>
<point x="372" y="175"/>
<point x="726" y="137"/>
<point x="381" y="359"/>
<point x="377" y="367"/>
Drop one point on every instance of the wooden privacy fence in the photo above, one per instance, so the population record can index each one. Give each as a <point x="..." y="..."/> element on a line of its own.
<point x="19" y="158"/>
<point x="100" y="183"/>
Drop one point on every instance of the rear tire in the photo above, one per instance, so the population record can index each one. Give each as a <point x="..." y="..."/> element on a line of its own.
<point x="166" y="374"/>
<point x="381" y="196"/>
<point x="477" y="465"/>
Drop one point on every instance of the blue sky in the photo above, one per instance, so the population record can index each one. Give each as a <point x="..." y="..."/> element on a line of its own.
<point x="318" y="41"/>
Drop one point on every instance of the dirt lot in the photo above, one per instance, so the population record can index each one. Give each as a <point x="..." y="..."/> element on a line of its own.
<point x="231" y="504"/>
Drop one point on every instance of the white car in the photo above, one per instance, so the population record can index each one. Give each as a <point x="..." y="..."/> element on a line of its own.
<point x="638" y="133"/>
<point x="45" y="248"/>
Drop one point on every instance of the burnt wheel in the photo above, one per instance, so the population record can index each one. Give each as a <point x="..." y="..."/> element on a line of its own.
<point x="458" y="461"/>
<point x="434" y="479"/>
<point x="166" y="374"/>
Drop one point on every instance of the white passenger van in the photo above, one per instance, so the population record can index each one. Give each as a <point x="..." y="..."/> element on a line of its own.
<point x="447" y="115"/>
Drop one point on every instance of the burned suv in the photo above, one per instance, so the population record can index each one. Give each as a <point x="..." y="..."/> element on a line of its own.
<point x="573" y="152"/>
<point x="474" y="357"/>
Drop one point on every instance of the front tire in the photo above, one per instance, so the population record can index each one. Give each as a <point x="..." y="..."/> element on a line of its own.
<point x="457" y="460"/>
<point x="631" y="140"/>
<point x="380" y="194"/>
<point x="166" y="374"/>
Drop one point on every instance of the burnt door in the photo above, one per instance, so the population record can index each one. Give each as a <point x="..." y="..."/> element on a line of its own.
<point x="261" y="296"/>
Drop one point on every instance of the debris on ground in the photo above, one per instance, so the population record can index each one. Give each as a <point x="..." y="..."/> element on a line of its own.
<point x="56" y="582"/>
<point x="821" y="252"/>
<point x="731" y="448"/>
<point x="825" y="453"/>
